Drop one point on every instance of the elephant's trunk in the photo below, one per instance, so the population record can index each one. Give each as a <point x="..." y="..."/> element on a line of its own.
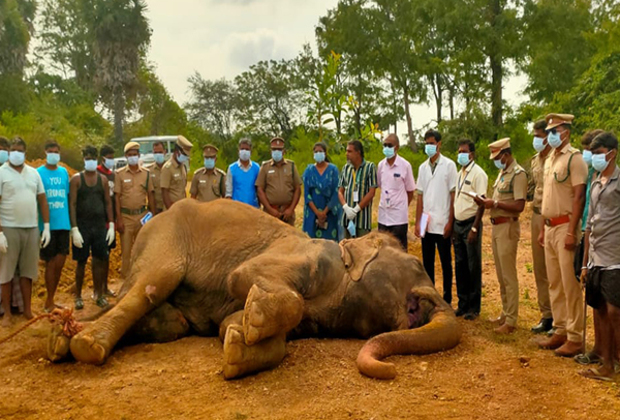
<point x="443" y="332"/>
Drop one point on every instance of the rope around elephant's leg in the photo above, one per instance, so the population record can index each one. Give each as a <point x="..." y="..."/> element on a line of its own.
<point x="64" y="317"/>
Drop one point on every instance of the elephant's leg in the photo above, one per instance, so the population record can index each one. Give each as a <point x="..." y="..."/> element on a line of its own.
<point x="232" y="319"/>
<point x="272" y="304"/>
<point x="154" y="277"/>
<point x="162" y="325"/>
<point x="241" y="359"/>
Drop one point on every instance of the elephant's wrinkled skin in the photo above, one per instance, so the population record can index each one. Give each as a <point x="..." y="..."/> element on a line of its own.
<point x="224" y="266"/>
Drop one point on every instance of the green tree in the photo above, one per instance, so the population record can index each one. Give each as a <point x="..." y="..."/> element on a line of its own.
<point x="213" y="105"/>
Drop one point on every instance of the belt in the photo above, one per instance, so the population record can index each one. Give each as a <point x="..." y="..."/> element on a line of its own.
<point x="536" y="210"/>
<point x="556" y="221"/>
<point x="500" y="220"/>
<point x="133" y="212"/>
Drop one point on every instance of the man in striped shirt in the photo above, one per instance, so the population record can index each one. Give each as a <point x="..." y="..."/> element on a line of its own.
<point x="358" y="182"/>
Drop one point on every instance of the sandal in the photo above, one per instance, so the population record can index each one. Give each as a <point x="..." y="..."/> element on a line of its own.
<point x="593" y="373"/>
<point x="588" y="358"/>
<point x="79" y="303"/>
<point x="102" y="302"/>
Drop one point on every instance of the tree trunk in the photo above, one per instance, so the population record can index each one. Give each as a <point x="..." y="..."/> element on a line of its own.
<point x="438" y="90"/>
<point x="119" y="116"/>
<point x="451" y="92"/>
<point x="412" y="143"/>
<point x="497" y="70"/>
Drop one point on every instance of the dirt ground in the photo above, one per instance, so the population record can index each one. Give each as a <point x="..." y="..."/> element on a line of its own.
<point x="485" y="377"/>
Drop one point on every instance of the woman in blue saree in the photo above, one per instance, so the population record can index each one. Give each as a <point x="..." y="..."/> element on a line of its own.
<point x="322" y="209"/>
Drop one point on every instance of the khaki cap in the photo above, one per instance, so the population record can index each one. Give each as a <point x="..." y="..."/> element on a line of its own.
<point x="499" y="145"/>
<point x="131" y="145"/>
<point x="184" y="144"/>
<point x="556" y="120"/>
<point x="277" y="141"/>
<point x="210" y="150"/>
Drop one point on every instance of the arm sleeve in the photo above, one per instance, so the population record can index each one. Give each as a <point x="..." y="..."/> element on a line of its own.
<point x="164" y="181"/>
<point x="590" y="213"/>
<point x="578" y="170"/>
<point x="520" y="186"/>
<point x="193" y="189"/>
<point x="229" y="183"/>
<point x="40" y="187"/>
<point x="481" y="184"/>
<point x="372" y="176"/>
<point x="531" y="181"/>
<point x="306" y="180"/>
<point x="262" y="177"/>
<point x="409" y="180"/>
<point x="149" y="183"/>
<point x="379" y="167"/>
<point x="117" y="184"/>
<point x="341" y="181"/>
<point x="334" y="201"/>
<point x="421" y="180"/>
<point x="453" y="176"/>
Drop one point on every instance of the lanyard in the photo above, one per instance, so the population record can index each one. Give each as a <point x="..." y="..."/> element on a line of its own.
<point x="464" y="179"/>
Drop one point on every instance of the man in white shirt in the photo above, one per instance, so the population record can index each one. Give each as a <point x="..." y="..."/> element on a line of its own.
<point x="395" y="179"/>
<point x="436" y="188"/>
<point x="21" y="192"/>
<point x="468" y="232"/>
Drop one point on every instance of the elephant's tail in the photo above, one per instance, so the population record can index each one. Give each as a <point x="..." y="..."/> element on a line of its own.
<point x="443" y="332"/>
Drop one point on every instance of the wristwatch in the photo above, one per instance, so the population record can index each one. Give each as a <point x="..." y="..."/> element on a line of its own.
<point x="473" y="229"/>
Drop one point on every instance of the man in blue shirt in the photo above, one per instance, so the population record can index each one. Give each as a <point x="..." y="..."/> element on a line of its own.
<point x="56" y="183"/>
<point x="242" y="175"/>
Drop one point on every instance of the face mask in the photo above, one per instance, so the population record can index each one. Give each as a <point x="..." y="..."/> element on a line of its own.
<point x="463" y="159"/>
<point x="4" y="156"/>
<point x="430" y="150"/>
<point x="209" y="163"/>
<point x="109" y="163"/>
<point x="90" y="165"/>
<point x="182" y="158"/>
<point x="389" y="152"/>
<point x="245" y="155"/>
<point x="133" y="160"/>
<point x="587" y="157"/>
<point x="276" y="155"/>
<point x="53" y="158"/>
<point x="351" y="228"/>
<point x="499" y="164"/>
<point x="319" y="157"/>
<point x="555" y="140"/>
<point x="599" y="161"/>
<point x="539" y="144"/>
<point x="17" y="158"/>
<point x="159" y="158"/>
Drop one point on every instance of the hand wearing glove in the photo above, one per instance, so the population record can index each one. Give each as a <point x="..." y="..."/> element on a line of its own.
<point x="46" y="235"/>
<point x="349" y="212"/>
<point x="109" y="237"/>
<point x="357" y="209"/>
<point x="4" y="245"/>
<point x="76" y="236"/>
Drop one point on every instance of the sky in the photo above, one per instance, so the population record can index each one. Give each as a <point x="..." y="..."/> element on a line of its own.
<point x="222" y="38"/>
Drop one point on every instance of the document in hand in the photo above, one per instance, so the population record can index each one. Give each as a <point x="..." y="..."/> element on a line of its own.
<point x="471" y="194"/>
<point x="424" y="223"/>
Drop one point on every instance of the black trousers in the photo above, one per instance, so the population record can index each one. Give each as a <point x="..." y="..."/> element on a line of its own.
<point x="443" y="245"/>
<point x="399" y="231"/>
<point x="468" y="266"/>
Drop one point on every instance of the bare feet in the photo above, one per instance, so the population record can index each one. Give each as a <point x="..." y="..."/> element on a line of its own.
<point x="7" y="321"/>
<point x="28" y="315"/>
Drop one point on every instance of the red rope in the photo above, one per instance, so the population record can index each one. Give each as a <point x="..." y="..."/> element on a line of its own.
<point x="64" y="317"/>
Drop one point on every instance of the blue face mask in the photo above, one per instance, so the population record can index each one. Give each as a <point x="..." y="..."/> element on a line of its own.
<point x="133" y="160"/>
<point x="430" y="150"/>
<point x="555" y="140"/>
<point x="587" y="157"/>
<point x="90" y="165"/>
<point x="276" y="155"/>
<point x="319" y="157"/>
<point x="159" y="158"/>
<point x="539" y="144"/>
<point x="181" y="158"/>
<point x="53" y="158"/>
<point x="351" y="228"/>
<point x="599" y="161"/>
<point x="209" y="163"/>
<point x="4" y="156"/>
<point x="463" y="159"/>
<point x="499" y="165"/>
<point x="389" y="152"/>
<point x="245" y="155"/>
<point x="17" y="158"/>
<point x="109" y="163"/>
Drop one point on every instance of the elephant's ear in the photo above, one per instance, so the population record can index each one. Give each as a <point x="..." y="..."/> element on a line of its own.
<point x="357" y="254"/>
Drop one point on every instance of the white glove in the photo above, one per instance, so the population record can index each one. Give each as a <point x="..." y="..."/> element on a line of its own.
<point x="111" y="234"/>
<point x="45" y="236"/>
<point x="357" y="209"/>
<point x="349" y="212"/>
<point x="78" y="241"/>
<point x="4" y="245"/>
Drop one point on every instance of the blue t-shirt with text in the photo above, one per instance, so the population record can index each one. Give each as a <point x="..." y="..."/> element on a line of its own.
<point x="56" y="183"/>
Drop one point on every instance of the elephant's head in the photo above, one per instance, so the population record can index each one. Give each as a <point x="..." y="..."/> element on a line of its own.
<point x="389" y="290"/>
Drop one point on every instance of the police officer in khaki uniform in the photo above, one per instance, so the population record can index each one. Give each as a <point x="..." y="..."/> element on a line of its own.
<point x="174" y="173"/>
<point x="509" y="195"/>
<point x="562" y="207"/>
<point x="278" y="184"/>
<point x="209" y="182"/>
<point x="134" y="197"/>
<point x="535" y="194"/>
<point x="159" y="153"/>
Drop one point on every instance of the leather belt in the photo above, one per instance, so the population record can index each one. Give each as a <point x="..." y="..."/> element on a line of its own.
<point x="500" y="220"/>
<point x="133" y="212"/>
<point x="556" y="221"/>
<point x="536" y="210"/>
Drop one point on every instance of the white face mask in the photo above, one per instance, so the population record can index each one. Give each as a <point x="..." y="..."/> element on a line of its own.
<point x="17" y="158"/>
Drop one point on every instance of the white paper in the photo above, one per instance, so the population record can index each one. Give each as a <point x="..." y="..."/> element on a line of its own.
<point x="471" y="194"/>
<point x="423" y="224"/>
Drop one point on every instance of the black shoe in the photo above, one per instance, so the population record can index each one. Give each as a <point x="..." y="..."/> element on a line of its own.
<point x="544" y="325"/>
<point x="459" y="312"/>
<point x="471" y="316"/>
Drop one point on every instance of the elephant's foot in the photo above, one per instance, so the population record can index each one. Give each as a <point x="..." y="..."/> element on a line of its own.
<point x="57" y="344"/>
<point x="87" y="348"/>
<point x="269" y="314"/>
<point x="241" y="359"/>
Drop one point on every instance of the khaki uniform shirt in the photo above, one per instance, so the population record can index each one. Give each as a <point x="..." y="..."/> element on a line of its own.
<point x="155" y="171"/>
<point x="132" y="188"/>
<point x="278" y="181"/>
<point x="511" y="184"/>
<point x="174" y="177"/>
<point x="208" y="186"/>
<point x="536" y="181"/>
<point x="559" y="181"/>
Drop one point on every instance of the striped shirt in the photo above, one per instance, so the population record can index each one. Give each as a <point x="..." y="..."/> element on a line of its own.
<point x="361" y="181"/>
